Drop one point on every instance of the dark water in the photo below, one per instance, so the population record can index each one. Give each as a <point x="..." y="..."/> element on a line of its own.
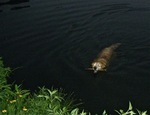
<point x="53" y="41"/>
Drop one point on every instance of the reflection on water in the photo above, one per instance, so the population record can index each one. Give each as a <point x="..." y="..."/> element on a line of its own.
<point x="55" y="41"/>
<point x="15" y="4"/>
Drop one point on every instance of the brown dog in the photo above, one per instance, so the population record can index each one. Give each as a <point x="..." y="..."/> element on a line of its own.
<point x="102" y="61"/>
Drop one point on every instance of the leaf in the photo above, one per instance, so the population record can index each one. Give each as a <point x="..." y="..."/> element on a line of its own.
<point x="132" y="113"/>
<point x="83" y="113"/>
<point x="75" y="111"/>
<point x="144" y="113"/>
<point x="130" y="106"/>
<point x="104" y="112"/>
<point x="141" y="113"/>
<point x="40" y="96"/>
<point x="118" y="112"/>
<point x="43" y="96"/>
<point x="121" y="111"/>
<point x="58" y="98"/>
<point x="53" y="92"/>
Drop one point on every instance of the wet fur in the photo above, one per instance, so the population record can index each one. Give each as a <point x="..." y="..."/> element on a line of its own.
<point x="105" y="56"/>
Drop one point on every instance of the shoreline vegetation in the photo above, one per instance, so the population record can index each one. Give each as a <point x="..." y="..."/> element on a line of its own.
<point x="16" y="101"/>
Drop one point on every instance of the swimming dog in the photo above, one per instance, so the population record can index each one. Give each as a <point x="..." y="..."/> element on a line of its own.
<point x="101" y="62"/>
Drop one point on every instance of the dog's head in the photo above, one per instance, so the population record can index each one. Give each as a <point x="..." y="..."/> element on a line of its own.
<point x="97" y="66"/>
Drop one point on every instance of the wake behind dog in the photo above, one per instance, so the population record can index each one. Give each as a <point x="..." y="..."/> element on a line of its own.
<point x="101" y="62"/>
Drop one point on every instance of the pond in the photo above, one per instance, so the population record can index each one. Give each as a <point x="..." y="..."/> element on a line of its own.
<point x="51" y="42"/>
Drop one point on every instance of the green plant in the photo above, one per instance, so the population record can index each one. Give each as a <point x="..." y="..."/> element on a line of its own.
<point x="130" y="111"/>
<point x="51" y="101"/>
<point x="76" y="111"/>
<point x="4" y="87"/>
<point x="142" y="112"/>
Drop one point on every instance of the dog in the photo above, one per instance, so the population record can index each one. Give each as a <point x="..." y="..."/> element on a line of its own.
<point x="101" y="62"/>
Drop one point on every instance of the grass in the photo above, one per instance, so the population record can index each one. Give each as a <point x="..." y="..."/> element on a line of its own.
<point x="16" y="101"/>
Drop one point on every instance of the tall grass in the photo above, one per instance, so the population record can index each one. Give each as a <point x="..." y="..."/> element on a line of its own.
<point x="16" y="101"/>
